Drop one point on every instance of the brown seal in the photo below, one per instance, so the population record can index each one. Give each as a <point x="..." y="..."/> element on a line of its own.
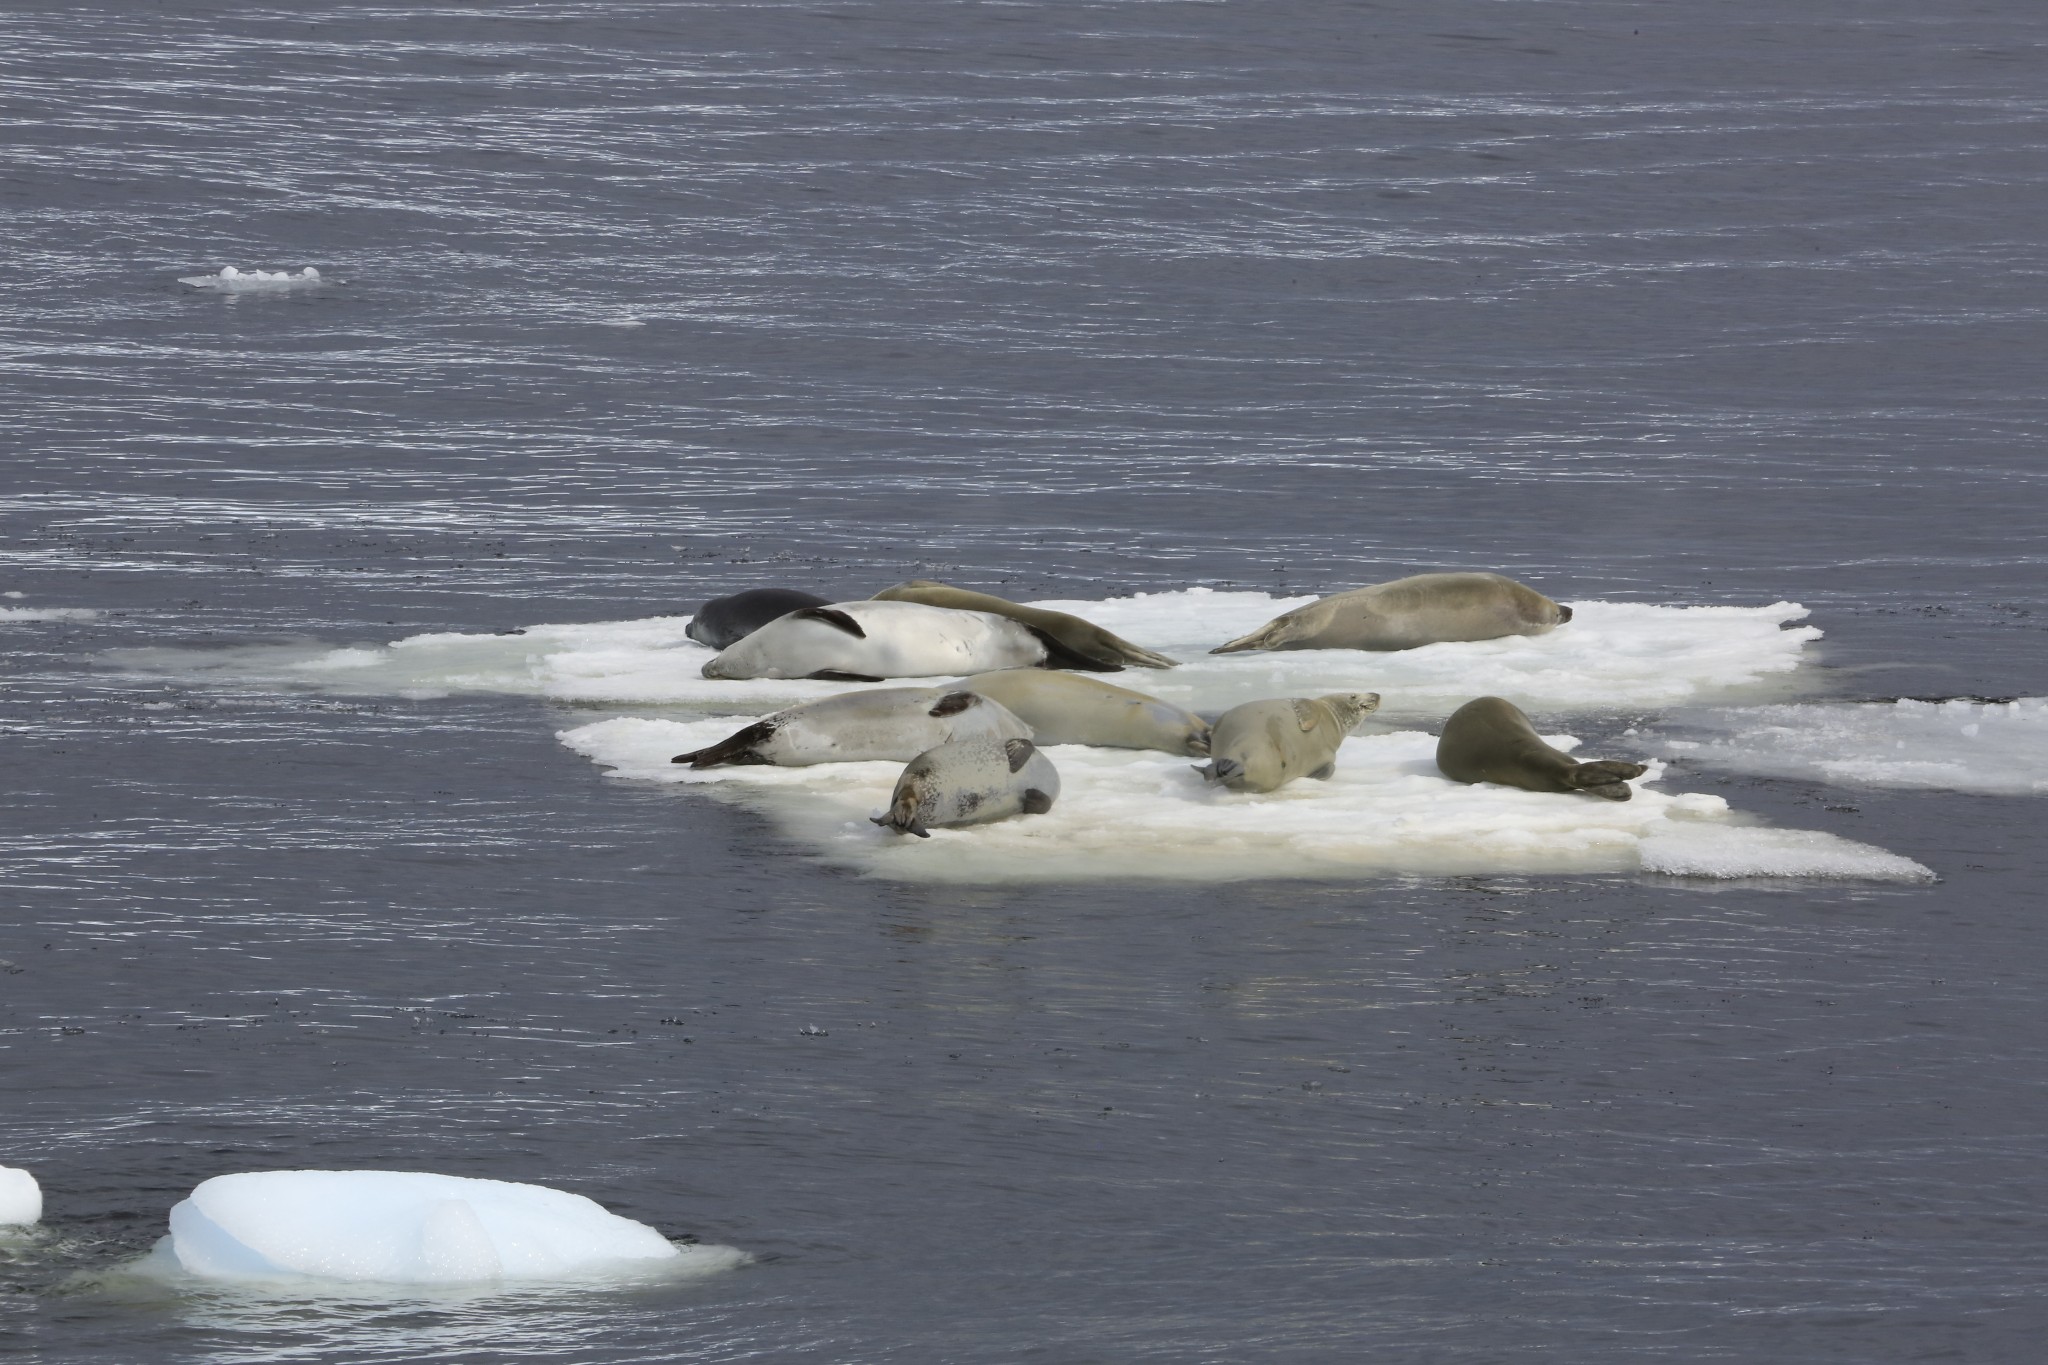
<point x="1491" y="740"/>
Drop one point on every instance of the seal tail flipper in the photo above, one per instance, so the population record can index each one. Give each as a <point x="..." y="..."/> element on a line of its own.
<point x="1605" y="778"/>
<point x="1138" y="656"/>
<point x="1198" y="745"/>
<point x="1036" y="802"/>
<point x="733" y="750"/>
<point x="902" y="817"/>
<point x="1221" y="771"/>
<point x="1058" y="655"/>
<point x="1564" y="613"/>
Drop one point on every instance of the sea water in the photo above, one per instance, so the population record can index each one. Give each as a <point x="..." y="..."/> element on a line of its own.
<point x="1722" y="324"/>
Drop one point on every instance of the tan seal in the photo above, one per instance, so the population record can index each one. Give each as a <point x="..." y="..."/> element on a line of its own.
<point x="1084" y="638"/>
<point x="1067" y="708"/>
<point x="1491" y="740"/>
<point x="1426" y="609"/>
<point x="1263" y="745"/>
<point x="971" y="782"/>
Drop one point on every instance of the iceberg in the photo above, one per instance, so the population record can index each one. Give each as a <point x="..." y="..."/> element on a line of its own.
<point x="411" y="1228"/>
<point x="233" y="281"/>
<point x="21" y="1199"/>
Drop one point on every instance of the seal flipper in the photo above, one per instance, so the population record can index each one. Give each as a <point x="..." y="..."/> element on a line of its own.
<point x="1058" y="655"/>
<point x="734" y="750"/>
<point x="1606" y="778"/>
<point x="1036" y="802"/>
<point x="1221" y="770"/>
<point x="953" y="703"/>
<point x="837" y="675"/>
<point x="831" y="616"/>
<point x="1564" y="613"/>
<point x="902" y="816"/>
<point x="1020" y="751"/>
<point x="1326" y="772"/>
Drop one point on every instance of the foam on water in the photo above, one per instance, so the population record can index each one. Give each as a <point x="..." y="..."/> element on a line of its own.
<point x="1124" y="813"/>
<point x="1998" y="748"/>
<point x="409" y="1228"/>
<point x="21" y="1198"/>
<point x="1613" y="654"/>
<point x="233" y="281"/>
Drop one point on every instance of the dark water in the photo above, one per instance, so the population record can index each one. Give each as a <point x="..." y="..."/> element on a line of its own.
<point x="1723" y="303"/>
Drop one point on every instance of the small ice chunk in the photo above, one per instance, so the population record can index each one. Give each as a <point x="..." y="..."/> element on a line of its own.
<point x="21" y="1199"/>
<point x="233" y="281"/>
<point x="10" y="614"/>
<point x="412" y="1228"/>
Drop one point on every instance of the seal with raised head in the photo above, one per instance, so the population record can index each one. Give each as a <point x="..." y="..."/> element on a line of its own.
<point x="1491" y="740"/>
<point x="870" y="641"/>
<point x="726" y="621"/>
<point x="893" y="724"/>
<point x="1066" y="708"/>
<point x="971" y="782"/>
<point x="1425" y="609"/>
<point x="1261" y="746"/>
<point x="1084" y="638"/>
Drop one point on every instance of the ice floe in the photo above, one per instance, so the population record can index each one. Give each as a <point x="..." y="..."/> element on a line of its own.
<point x="233" y="281"/>
<point x="410" y="1228"/>
<point x="1997" y="748"/>
<point x="1612" y="655"/>
<point x="21" y="1199"/>
<point x="1133" y="814"/>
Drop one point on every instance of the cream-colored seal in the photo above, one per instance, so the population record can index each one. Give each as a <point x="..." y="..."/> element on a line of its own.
<point x="1427" y="609"/>
<point x="1084" y="638"/>
<point x="1263" y="745"/>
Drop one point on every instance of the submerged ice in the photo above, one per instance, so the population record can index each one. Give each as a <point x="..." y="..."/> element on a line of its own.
<point x="1997" y="748"/>
<point x="1129" y="813"/>
<point x="1613" y="654"/>
<point x="411" y="1228"/>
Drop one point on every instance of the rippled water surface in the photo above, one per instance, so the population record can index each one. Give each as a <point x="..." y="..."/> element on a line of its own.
<point x="626" y="306"/>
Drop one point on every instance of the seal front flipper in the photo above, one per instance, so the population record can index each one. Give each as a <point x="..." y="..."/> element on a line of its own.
<point x="738" y="749"/>
<point x="833" y="617"/>
<point x="953" y="703"/>
<point x="1019" y="751"/>
<point x="840" y="675"/>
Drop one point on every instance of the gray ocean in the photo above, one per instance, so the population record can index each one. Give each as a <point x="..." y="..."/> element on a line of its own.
<point x="623" y="306"/>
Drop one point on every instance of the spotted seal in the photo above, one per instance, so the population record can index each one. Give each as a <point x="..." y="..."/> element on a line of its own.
<point x="971" y="782"/>
<point x="883" y="723"/>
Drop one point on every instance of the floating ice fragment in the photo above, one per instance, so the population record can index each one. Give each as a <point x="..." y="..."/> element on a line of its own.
<point x="18" y="614"/>
<point x="411" y="1228"/>
<point x="21" y="1199"/>
<point x="1995" y="748"/>
<point x="233" y="281"/>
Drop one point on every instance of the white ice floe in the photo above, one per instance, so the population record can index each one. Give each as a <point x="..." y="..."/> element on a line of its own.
<point x="20" y="614"/>
<point x="233" y="281"/>
<point x="1612" y="654"/>
<point x="409" y="1228"/>
<point x="21" y="1199"/>
<point x="1998" y="748"/>
<point x="1130" y="814"/>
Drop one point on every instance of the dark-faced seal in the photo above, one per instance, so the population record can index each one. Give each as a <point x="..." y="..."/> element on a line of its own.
<point x="1263" y="745"/>
<point x="887" y="723"/>
<point x="1490" y="740"/>
<point x="971" y="782"/>
<point x="1427" y="609"/>
<point x="726" y="621"/>
<point x="1067" y="708"/>
<point x="870" y="641"/>
<point x="1084" y="638"/>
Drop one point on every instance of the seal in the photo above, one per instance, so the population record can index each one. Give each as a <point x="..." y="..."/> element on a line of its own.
<point x="1261" y="746"/>
<point x="870" y="641"/>
<point x="726" y="621"/>
<point x="1085" y="638"/>
<point x="1491" y="740"/>
<point x="971" y="782"/>
<point x="895" y="724"/>
<point x="1066" y="708"/>
<point x="1426" y="609"/>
